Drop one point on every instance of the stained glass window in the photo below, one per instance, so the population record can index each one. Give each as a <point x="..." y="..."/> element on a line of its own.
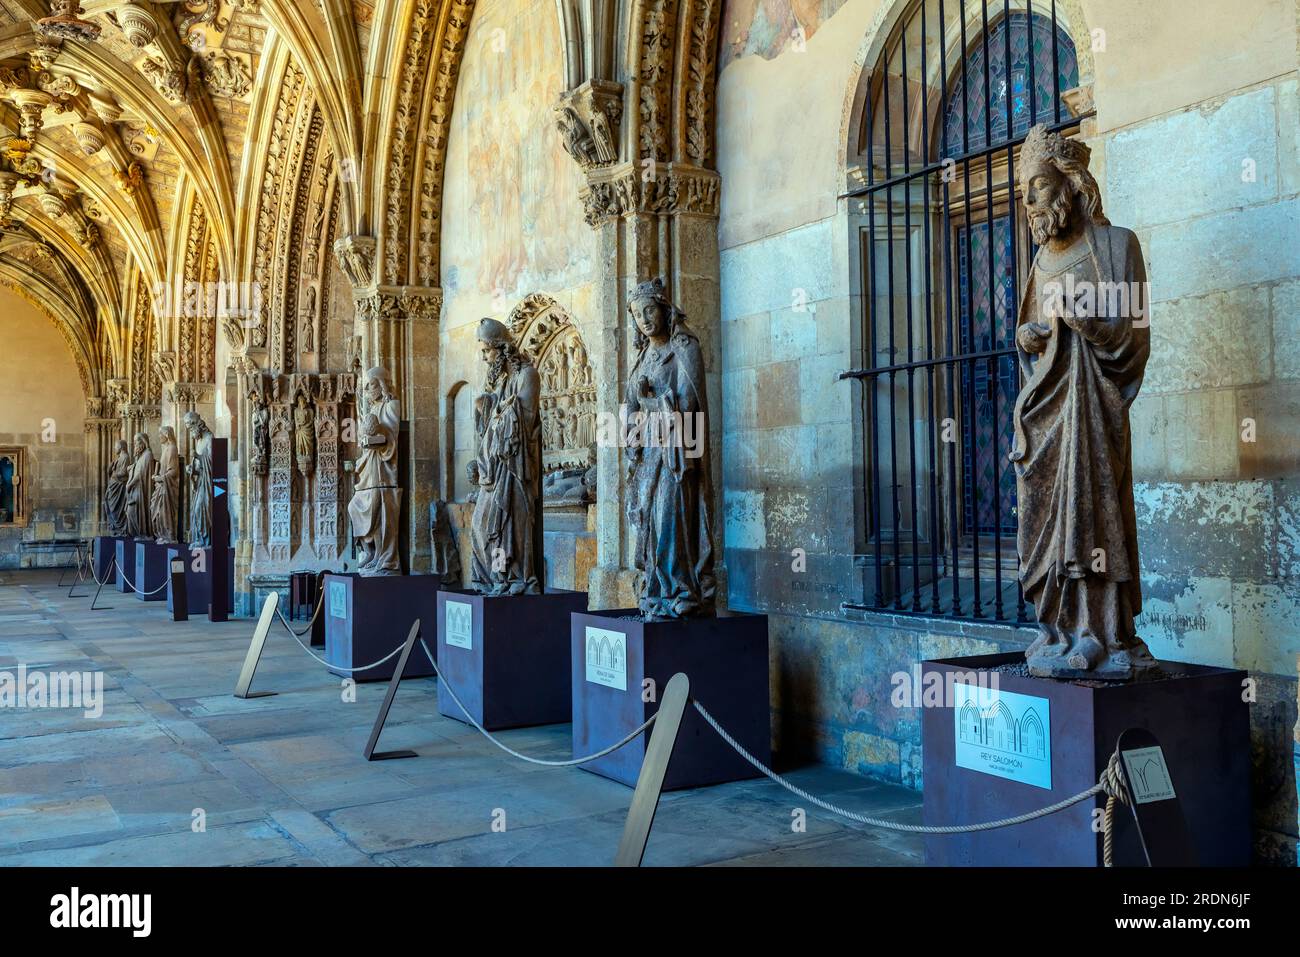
<point x="1023" y="66"/>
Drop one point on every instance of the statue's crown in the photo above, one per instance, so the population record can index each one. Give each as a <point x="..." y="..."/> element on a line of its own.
<point x="1043" y="145"/>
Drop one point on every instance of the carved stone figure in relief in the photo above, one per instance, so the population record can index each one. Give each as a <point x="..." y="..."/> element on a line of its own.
<point x="164" y="504"/>
<point x="376" y="505"/>
<point x="1082" y="348"/>
<point x="669" y="487"/>
<point x="139" y="488"/>
<point x="506" y="531"/>
<point x="119" y="473"/>
<point x="199" y="471"/>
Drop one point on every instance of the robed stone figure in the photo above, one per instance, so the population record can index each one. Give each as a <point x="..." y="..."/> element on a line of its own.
<point x="506" y="529"/>
<point x="119" y="473"/>
<point x="199" y="471"/>
<point x="669" y="499"/>
<point x="164" y="505"/>
<point x="375" y="509"/>
<point x="1083" y="339"/>
<point x="139" y="488"/>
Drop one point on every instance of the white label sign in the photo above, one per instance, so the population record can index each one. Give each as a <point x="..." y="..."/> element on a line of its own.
<point x="1148" y="775"/>
<point x="459" y="624"/>
<point x="338" y="600"/>
<point x="607" y="658"/>
<point x="1004" y="734"/>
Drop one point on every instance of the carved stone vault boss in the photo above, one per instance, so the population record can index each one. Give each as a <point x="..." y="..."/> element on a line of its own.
<point x="1083" y="349"/>
<point x="669" y="488"/>
<point x="506" y="530"/>
<point x="376" y="506"/>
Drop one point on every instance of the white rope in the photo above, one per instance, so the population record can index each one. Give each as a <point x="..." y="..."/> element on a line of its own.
<point x="112" y="567"/>
<point x="320" y="603"/>
<point x="572" y="762"/>
<point x="330" y="664"/>
<point x="1098" y="788"/>
<point x="146" y="594"/>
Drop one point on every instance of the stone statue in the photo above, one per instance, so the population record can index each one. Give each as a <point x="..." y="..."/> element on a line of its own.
<point x="375" y="508"/>
<point x="506" y="531"/>
<point x="442" y="540"/>
<point x="199" y="471"/>
<point x="669" y="486"/>
<point x="139" y="523"/>
<point x="164" y="503"/>
<point x="119" y="473"/>
<point x="304" y="435"/>
<point x="260" y="453"/>
<point x="1082" y="347"/>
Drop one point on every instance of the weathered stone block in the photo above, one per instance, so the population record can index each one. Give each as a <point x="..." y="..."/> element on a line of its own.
<point x="1206" y="342"/>
<point x="779" y="398"/>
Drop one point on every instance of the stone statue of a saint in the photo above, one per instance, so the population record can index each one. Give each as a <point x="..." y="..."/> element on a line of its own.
<point x="139" y="488"/>
<point x="304" y="435"/>
<point x="119" y="473"/>
<point x="506" y="530"/>
<point x="669" y="486"/>
<point x="260" y="452"/>
<point x="442" y="542"/>
<point x="376" y="505"/>
<point x="164" y="504"/>
<point x="1083" y="339"/>
<point x="199" y="471"/>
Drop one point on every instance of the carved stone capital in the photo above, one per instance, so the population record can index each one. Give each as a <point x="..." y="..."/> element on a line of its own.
<point x="356" y="256"/>
<point x="415" y="303"/>
<point x="663" y="188"/>
<point x="589" y="119"/>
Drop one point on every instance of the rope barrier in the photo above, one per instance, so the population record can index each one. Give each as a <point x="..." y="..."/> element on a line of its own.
<point x="112" y="567"/>
<point x="1111" y="784"/>
<point x="572" y="762"/>
<point x="331" y="665"/>
<point x="144" y="594"/>
<point x="320" y="603"/>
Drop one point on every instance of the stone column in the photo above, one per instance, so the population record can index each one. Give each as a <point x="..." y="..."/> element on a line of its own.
<point x="102" y="431"/>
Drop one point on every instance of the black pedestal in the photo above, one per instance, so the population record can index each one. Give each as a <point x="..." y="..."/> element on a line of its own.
<point x="124" y="551"/>
<point x="615" y="652"/>
<point x="1041" y="731"/>
<point x="150" y="571"/>
<point x="366" y="618"/>
<point x="104" y="552"/>
<point x="198" y="585"/>
<point x="507" y="656"/>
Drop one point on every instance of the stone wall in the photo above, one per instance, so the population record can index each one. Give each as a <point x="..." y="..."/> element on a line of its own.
<point x="1203" y="165"/>
<point x="42" y="389"/>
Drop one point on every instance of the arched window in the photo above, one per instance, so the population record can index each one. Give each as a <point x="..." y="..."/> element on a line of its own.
<point x="942" y="254"/>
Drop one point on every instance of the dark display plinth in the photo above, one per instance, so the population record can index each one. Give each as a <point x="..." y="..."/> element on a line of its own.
<point x="104" y="552"/>
<point x="614" y="652"/>
<point x="1196" y="713"/>
<point x="366" y="618"/>
<point x="149" y="571"/>
<point x="507" y="656"/>
<point x="124" y="552"/>
<point x="198" y="585"/>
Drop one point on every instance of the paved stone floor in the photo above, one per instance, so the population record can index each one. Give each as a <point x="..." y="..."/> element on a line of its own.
<point x="281" y="779"/>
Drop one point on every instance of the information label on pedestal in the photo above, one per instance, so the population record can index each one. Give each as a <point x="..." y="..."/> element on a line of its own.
<point x="1148" y="775"/>
<point x="606" y="658"/>
<point x="460" y="624"/>
<point x="1004" y="734"/>
<point x="338" y="600"/>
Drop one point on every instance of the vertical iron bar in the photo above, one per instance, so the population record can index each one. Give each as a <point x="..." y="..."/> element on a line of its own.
<point x="1033" y="83"/>
<point x="968" y="412"/>
<point x="911" y="372"/>
<point x="950" y="324"/>
<point x="893" y="374"/>
<point x="1011" y="265"/>
<point x="929" y="314"/>
<point x="1056" y="69"/>
<point x="873" y="383"/>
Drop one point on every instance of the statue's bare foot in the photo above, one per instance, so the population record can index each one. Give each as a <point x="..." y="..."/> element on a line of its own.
<point x="1087" y="653"/>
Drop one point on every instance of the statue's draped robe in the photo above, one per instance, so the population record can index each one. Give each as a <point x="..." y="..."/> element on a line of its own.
<point x="165" y="500"/>
<point x="669" y="492"/>
<point x="375" y="509"/>
<point x="444" y="553"/>
<point x="119" y="473"/>
<point x="507" y="511"/>
<point x="201" y="492"/>
<point x="1073" y="461"/>
<point x="139" y="488"/>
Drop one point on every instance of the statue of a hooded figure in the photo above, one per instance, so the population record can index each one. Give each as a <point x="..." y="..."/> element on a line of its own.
<point x="506" y="530"/>
<point x="375" y="509"/>
<point x="669" y="487"/>
<point x="1083" y="339"/>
